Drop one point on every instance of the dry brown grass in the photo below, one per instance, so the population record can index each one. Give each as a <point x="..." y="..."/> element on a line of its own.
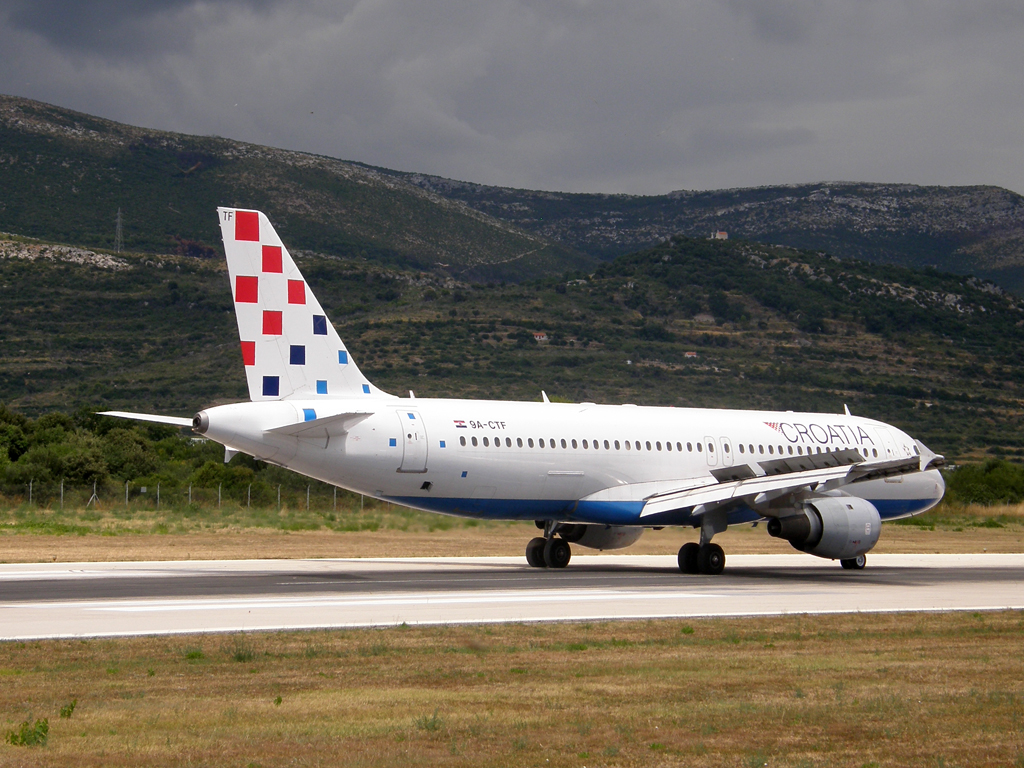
<point x="890" y="690"/>
<point x="173" y="535"/>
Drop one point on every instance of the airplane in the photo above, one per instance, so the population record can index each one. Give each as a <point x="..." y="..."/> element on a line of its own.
<point x="596" y="476"/>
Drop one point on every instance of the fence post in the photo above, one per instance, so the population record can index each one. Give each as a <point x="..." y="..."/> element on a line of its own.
<point x="126" y="493"/>
<point x="62" y="494"/>
<point x="190" y="494"/>
<point x="218" y="494"/>
<point x="94" y="497"/>
<point x="360" y="502"/>
<point x="278" y="497"/>
<point x="335" y="498"/>
<point x="248" y="497"/>
<point x="307" y="498"/>
<point x="30" y="493"/>
<point x="158" y="495"/>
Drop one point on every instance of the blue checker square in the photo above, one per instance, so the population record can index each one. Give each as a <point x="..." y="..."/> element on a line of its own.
<point x="392" y="442"/>
<point x="321" y="387"/>
<point x="271" y="386"/>
<point x="342" y="357"/>
<point x="442" y="443"/>
<point x="412" y="416"/>
<point x="298" y="355"/>
<point x="464" y="473"/>
<point x="319" y="325"/>
<point x="366" y="389"/>
<point x="308" y="414"/>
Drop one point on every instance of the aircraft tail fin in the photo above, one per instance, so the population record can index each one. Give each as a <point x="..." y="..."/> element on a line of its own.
<point x="289" y="347"/>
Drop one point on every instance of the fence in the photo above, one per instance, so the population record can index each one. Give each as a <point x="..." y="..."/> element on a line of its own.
<point x="147" y="495"/>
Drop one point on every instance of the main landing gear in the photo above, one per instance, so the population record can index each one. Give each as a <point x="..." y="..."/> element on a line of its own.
<point x="708" y="559"/>
<point x="547" y="551"/>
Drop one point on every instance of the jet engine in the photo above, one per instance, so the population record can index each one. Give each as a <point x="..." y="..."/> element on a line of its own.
<point x="600" y="536"/>
<point x="836" y="527"/>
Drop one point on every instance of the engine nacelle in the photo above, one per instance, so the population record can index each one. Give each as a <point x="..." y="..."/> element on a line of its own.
<point x="836" y="527"/>
<point x="600" y="536"/>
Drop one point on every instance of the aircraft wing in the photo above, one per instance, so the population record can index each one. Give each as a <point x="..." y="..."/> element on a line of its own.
<point x="785" y="476"/>
<point x="176" y="421"/>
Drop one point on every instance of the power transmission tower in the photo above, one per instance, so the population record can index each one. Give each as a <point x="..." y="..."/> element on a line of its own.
<point x="118" y="238"/>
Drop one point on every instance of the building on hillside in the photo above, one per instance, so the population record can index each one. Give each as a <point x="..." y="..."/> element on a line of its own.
<point x="540" y="336"/>
<point x="689" y="354"/>
<point x="719" y="235"/>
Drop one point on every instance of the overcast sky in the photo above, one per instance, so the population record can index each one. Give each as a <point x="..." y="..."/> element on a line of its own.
<point x="576" y="95"/>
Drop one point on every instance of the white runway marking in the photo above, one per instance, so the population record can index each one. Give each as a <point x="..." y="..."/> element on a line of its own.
<point x="120" y="599"/>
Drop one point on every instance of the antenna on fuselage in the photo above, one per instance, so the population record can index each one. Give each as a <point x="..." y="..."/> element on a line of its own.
<point x="544" y="396"/>
<point x="846" y="409"/>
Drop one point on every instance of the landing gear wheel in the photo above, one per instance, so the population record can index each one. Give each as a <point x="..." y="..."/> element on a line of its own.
<point x="535" y="553"/>
<point x="711" y="559"/>
<point x="855" y="563"/>
<point x="557" y="553"/>
<point x="688" y="555"/>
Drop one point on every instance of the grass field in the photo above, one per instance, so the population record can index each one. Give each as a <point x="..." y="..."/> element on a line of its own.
<point x="855" y="690"/>
<point x="30" y="534"/>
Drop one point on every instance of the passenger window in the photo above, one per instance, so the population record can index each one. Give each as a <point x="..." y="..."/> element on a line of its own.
<point x="668" y="446"/>
<point x="637" y="444"/>
<point x="874" y="452"/>
<point x="606" y="445"/>
<point x="741" y="447"/>
<point x="617" y="445"/>
<point x="508" y="442"/>
<point x="689" y="447"/>
<point x="711" y="447"/>
<point x="679" y="447"/>
<point x="486" y="444"/>
<point x="725" y="447"/>
<point x="700" y="447"/>
<point x="629" y="447"/>
<point x="574" y="445"/>
<point x="551" y="442"/>
<point x="563" y="442"/>
<point x="519" y="442"/>
<point x="791" y="450"/>
<point x="585" y="445"/>
<point x="542" y="442"/>
<point x="462" y="440"/>
<point x="658" y="445"/>
<point x="529" y="442"/>
<point x="474" y="442"/>
<point x="771" y="450"/>
<point x="497" y="442"/>
<point x="751" y="446"/>
<point x="780" y="450"/>
<point x="760" y="449"/>
<point x="648" y="445"/>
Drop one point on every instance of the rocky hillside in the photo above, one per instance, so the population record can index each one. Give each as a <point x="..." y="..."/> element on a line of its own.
<point x="966" y="230"/>
<point x="64" y="175"/>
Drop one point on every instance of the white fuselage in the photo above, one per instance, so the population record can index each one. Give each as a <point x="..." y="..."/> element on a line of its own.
<point x="580" y="462"/>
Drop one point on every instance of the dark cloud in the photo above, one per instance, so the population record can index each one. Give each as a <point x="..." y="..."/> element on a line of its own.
<point x="557" y="94"/>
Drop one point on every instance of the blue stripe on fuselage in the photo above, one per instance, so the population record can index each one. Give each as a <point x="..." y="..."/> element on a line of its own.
<point x="607" y="512"/>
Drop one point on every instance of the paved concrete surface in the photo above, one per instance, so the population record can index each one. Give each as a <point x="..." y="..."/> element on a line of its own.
<point x="119" y="599"/>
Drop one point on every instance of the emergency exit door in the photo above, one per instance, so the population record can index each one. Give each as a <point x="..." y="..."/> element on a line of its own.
<point x="414" y="442"/>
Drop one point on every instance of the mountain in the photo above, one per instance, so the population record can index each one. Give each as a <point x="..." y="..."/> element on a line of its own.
<point x="65" y="175"/>
<point x="967" y="230"/>
<point x="689" y="322"/>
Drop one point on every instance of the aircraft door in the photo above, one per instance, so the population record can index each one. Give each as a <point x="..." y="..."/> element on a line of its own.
<point x="414" y="436"/>
<point x="727" y="451"/>
<point x="711" y="451"/>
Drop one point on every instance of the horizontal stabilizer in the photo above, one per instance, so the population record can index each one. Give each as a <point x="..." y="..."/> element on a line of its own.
<point x="337" y="424"/>
<point x="175" y="421"/>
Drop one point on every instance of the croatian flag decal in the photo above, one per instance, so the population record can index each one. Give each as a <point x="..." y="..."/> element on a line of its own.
<point x="460" y="424"/>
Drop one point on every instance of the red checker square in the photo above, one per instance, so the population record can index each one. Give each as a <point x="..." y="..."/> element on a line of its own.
<point x="272" y="258"/>
<point x="248" y="353"/>
<point x="271" y="322"/>
<point x="246" y="289"/>
<point x="247" y="225"/>
<point x="296" y="292"/>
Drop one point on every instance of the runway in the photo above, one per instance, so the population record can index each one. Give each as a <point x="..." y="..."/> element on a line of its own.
<point x="74" y="600"/>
